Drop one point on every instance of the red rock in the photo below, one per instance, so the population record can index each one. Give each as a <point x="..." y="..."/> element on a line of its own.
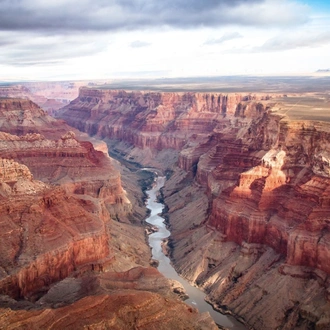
<point x="267" y="203"/>
<point x="149" y="119"/>
<point x="50" y="96"/>
<point x="57" y="198"/>
<point x="52" y="231"/>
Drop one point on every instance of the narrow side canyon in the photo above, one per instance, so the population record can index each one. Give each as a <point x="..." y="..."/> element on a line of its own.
<point x="247" y="194"/>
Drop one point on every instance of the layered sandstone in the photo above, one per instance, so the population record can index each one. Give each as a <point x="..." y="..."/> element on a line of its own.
<point x="249" y="183"/>
<point x="59" y="198"/>
<point x="46" y="233"/>
<point x="54" y="155"/>
<point x="138" y="298"/>
<point x="153" y="121"/>
<point x="50" y="96"/>
<point x="22" y="116"/>
<point x="268" y="215"/>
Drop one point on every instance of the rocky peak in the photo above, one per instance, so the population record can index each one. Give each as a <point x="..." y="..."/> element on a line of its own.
<point x="11" y="171"/>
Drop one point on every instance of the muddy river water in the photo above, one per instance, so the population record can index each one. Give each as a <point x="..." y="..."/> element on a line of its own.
<point x="196" y="296"/>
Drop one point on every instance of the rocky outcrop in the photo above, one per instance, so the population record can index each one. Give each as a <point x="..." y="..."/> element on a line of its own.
<point x="69" y="255"/>
<point x="267" y="188"/>
<point x="50" y="96"/>
<point x="138" y="298"/>
<point x="46" y="233"/>
<point x="50" y="231"/>
<point x="54" y="155"/>
<point x="153" y="121"/>
<point x="22" y="116"/>
<point x="245" y="181"/>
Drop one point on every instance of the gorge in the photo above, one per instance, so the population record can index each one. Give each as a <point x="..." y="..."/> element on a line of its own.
<point x="195" y="297"/>
<point x="165" y="165"/>
<point x="247" y="194"/>
<point x="73" y="251"/>
<point x="246" y="200"/>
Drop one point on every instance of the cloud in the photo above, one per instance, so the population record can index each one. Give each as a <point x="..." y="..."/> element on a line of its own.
<point x="292" y="41"/>
<point x="80" y="35"/>
<point x="139" y="44"/>
<point x="103" y="15"/>
<point x="226" y="37"/>
<point x="270" y="13"/>
<point x="38" y="50"/>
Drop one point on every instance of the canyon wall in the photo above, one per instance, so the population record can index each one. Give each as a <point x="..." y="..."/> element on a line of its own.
<point x="66" y="219"/>
<point x="247" y="196"/>
<point x="57" y="199"/>
<point x="50" y="96"/>
<point x="152" y="121"/>
<point x="71" y="242"/>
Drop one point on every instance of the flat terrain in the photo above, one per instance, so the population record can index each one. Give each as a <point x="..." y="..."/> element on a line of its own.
<point x="228" y="84"/>
<point x="309" y="106"/>
<point x="295" y="97"/>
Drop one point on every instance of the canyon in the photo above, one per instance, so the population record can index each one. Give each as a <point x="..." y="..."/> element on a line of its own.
<point x="50" y="96"/>
<point x="73" y="251"/>
<point x="247" y="194"/>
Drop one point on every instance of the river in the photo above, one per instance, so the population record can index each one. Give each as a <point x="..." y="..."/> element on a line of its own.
<point x="196" y="296"/>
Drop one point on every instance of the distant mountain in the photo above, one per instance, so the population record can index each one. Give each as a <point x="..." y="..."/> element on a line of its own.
<point x="323" y="70"/>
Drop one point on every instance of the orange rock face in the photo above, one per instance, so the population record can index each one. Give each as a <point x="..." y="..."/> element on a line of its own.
<point x="50" y="96"/>
<point x="121" y="300"/>
<point x="43" y="239"/>
<point x="58" y="199"/>
<point x="248" y="202"/>
<point x="48" y="232"/>
<point x="281" y="202"/>
<point x="150" y="119"/>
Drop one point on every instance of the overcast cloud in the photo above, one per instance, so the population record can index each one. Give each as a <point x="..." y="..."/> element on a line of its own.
<point x="139" y="44"/>
<point x="102" y="15"/>
<point x="107" y="36"/>
<point x="293" y="41"/>
<point x="226" y="37"/>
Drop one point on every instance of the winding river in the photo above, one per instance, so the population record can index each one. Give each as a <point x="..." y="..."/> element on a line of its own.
<point x="196" y="296"/>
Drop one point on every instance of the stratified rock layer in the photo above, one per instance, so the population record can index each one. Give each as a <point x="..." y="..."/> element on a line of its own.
<point x="58" y="196"/>
<point x="138" y="298"/>
<point x="50" y="96"/>
<point x="50" y="231"/>
<point x="248" y="203"/>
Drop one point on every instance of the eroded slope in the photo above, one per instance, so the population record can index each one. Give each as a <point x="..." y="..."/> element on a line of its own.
<point x="58" y="196"/>
<point x="248" y="197"/>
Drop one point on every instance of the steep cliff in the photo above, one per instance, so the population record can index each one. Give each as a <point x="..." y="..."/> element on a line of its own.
<point x="50" y="231"/>
<point x="46" y="233"/>
<point x="153" y="122"/>
<point x="248" y="198"/>
<point x="21" y="116"/>
<point x="267" y="214"/>
<point x="67" y="238"/>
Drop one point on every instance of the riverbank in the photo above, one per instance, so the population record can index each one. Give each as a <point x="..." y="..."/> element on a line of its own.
<point x="196" y="296"/>
<point x="153" y="196"/>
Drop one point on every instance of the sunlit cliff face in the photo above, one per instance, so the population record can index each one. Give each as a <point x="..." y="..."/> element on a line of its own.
<point x="248" y="198"/>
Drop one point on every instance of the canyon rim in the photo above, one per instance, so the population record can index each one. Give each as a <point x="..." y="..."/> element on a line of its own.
<point x="151" y="150"/>
<point x="246" y="195"/>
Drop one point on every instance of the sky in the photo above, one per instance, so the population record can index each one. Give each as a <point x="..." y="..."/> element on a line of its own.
<point x="108" y="39"/>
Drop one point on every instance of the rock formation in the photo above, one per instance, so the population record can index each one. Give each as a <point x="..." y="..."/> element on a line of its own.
<point x="137" y="298"/>
<point x="57" y="228"/>
<point x="247" y="197"/>
<point x="65" y="219"/>
<point x="50" y="96"/>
